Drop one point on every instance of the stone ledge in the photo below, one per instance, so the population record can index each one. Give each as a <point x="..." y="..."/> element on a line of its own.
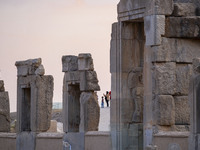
<point x="50" y="135"/>
<point x="172" y="134"/>
<point x="97" y="133"/>
<point x="8" y="135"/>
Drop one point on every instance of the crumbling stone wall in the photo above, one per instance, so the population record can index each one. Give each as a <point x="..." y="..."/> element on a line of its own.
<point x="172" y="37"/>
<point x="4" y="109"/>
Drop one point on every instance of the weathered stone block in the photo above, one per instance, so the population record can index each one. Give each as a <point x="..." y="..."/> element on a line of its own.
<point x="34" y="98"/>
<point x="164" y="78"/>
<point x="44" y="87"/>
<point x="74" y="140"/>
<point x="90" y="112"/>
<point x="72" y="76"/>
<point x="26" y="141"/>
<point x="4" y="112"/>
<point x="27" y="67"/>
<point x="154" y="26"/>
<point x="69" y="63"/>
<point x="183" y="75"/>
<point x="130" y="9"/>
<point x="89" y="81"/>
<point x="40" y="70"/>
<point x="157" y="7"/>
<point x="176" y="50"/>
<point x="165" y="110"/>
<point x="2" y="89"/>
<point x="183" y="27"/>
<point x="196" y="65"/>
<point x="184" y="9"/>
<point x="182" y="110"/>
<point x="85" y="62"/>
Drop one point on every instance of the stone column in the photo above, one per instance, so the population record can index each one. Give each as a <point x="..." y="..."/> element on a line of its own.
<point x="4" y="109"/>
<point x="127" y="59"/>
<point x="34" y="102"/>
<point x="194" y="98"/>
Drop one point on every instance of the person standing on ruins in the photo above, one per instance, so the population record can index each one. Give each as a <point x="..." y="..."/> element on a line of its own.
<point x="102" y="102"/>
<point x="107" y="97"/>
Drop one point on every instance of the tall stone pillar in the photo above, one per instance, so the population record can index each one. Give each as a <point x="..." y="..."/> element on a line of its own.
<point x="4" y="109"/>
<point x="34" y="102"/>
<point x="194" y="97"/>
<point x="80" y="104"/>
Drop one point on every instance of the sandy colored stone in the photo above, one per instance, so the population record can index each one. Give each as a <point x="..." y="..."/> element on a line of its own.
<point x="184" y="9"/>
<point x="183" y="75"/>
<point x="165" y="78"/>
<point x="165" y="110"/>
<point x="182" y="110"/>
<point x="183" y="27"/>
<point x="53" y="126"/>
<point x="69" y="63"/>
<point x="2" y="89"/>
<point x="4" y="112"/>
<point x="90" y="112"/>
<point x="85" y="62"/>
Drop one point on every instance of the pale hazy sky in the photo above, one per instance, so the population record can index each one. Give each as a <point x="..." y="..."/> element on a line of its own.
<point x="50" y="29"/>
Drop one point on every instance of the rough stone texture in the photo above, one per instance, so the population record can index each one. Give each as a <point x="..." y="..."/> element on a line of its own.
<point x="165" y="78"/>
<point x="27" y="67"/>
<point x="75" y="141"/>
<point x="184" y="9"/>
<point x="154" y="26"/>
<point x="70" y="63"/>
<point x="53" y="126"/>
<point x="157" y="7"/>
<point x="132" y="9"/>
<point x="196" y="65"/>
<point x="4" y="112"/>
<point x="72" y="76"/>
<point x="165" y="110"/>
<point x="2" y="89"/>
<point x="26" y="141"/>
<point x="41" y="89"/>
<point x="89" y="81"/>
<point x="183" y="75"/>
<point x="40" y="70"/>
<point x="135" y="83"/>
<point x="183" y="27"/>
<point x="85" y="62"/>
<point x="182" y="110"/>
<point x="176" y="50"/>
<point x="90" y="112"/>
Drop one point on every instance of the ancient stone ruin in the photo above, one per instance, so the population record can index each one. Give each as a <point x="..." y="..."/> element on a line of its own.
<point x="4" y="109"/>
<point x="152" y="48"/>
<point x="34" y="102"/>
<point x="80" y="105"/>
<point x="194" y="98"/>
